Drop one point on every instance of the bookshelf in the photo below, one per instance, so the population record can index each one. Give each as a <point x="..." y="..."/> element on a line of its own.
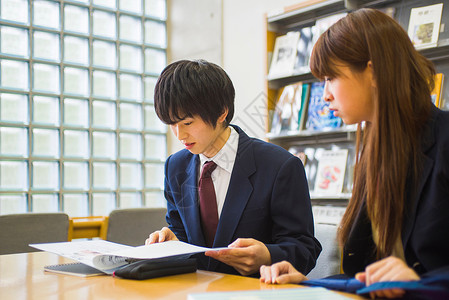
<point x="305" y="14"/>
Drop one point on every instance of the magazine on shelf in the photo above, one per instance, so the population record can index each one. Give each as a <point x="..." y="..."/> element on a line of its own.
<point x="319" y="116"/>
<point x="284" y="55"/>
<point x="108" y="256"/>
<point x="322" y="24"/>
<point x="283" y="112"/>
<point x="276" y="119"/>
<point x="424" y="25"/>
<point x="299" y="106"/>
<point x="303" y="51"/>
<point x="307" y="156"/>
<point x="331" y="172"/>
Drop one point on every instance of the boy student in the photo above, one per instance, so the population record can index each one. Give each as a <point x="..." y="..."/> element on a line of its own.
<point x="225" y="188"/>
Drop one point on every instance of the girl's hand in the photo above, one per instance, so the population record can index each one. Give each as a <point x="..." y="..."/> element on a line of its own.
<point x="281" y="273"/>
<point x="387" y="269"/>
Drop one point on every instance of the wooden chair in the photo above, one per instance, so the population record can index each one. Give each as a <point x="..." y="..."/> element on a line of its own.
<point x="131" y="226"/>
<point x="19" y="230"/>
<point x="88" y="227"/>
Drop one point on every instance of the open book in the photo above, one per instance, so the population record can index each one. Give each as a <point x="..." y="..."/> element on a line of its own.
<point x="109" y="257"/>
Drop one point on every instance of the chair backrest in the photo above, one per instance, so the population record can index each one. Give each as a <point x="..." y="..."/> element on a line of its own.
<point x="329" y="261"/>
<point x="132" y="226"/>
<point x="19" y="230"/>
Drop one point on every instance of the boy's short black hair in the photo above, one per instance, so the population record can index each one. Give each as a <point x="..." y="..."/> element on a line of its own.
<point x="194" y="88"/>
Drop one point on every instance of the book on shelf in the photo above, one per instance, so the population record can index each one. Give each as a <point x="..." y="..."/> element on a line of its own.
<point x="293" y="124"/>
<point x="328" y="214"/>
<point x="283" y="112"/>
<point x="281" y="109"/>
<point x="319" y="116"/>
<point x="322" y="24"/>
<point x="437" y="92"/>
<point x="303" y="51"/>
<point x="299" y="106"/>
<point x="389" y="11"/>
<point x="424" y="25"/>
<point x="291" y="108"/>
<point x="350" y="165"/>
<point x="307" y="156"/>
<point x="311" y="154"/>
<point x="284" y="55"/>
<point x="331" y="172"/>
<point x="108" y="257"/>
<point x="302" y="113"/>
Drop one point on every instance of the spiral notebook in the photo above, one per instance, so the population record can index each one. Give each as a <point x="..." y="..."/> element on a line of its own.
<point x="76" y="269"/>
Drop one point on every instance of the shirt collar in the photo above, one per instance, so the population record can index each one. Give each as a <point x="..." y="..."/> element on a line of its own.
<point x="225" y="158"/>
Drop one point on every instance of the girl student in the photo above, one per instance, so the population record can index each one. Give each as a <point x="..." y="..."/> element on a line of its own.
<point x="396" y="225"/>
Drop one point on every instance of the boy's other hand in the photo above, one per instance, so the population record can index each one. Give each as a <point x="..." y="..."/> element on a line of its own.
<point x="245" y="255"/>
<point x="163" y="235"/>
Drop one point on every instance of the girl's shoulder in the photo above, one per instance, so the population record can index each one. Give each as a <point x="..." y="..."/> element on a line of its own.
<point x="437" y="131"/>
<point x="440" y="121"/>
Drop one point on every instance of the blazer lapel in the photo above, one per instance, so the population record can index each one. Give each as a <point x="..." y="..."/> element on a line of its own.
<point x="412" y="199"/>
<point x="239" y="192"/>
<point x="359" y="249"/>
<point x="188" y="206"/>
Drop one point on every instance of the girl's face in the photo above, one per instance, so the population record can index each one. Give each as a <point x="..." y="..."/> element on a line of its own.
<point x="350" y="95"/>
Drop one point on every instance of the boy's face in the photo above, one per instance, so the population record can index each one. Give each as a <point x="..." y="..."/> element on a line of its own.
<point x="198" y="136"/>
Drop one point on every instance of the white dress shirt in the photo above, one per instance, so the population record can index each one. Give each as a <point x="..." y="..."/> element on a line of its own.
<point x="224" y="159"/>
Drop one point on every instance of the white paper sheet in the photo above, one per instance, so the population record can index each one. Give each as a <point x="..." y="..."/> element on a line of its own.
<point x="107" y="256"/>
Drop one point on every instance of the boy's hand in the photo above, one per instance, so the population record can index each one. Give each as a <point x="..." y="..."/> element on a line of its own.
<point x="245" y="255"/>
<point x="163" y="235"/>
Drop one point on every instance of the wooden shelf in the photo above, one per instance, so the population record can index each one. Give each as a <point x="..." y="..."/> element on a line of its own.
<point x="342" y="196"/>
<point x="343" y="134"/>
<point x="307" y="12"/>
<point x="277" y="83"/>
<point x="437" y="53"/>
<point x="303" y="14"/>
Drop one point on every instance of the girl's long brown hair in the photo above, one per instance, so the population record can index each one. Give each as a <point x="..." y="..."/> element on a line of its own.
<point x="389" y="146"/>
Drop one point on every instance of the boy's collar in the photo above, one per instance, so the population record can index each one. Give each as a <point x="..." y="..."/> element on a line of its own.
<point x="226" y="156"/>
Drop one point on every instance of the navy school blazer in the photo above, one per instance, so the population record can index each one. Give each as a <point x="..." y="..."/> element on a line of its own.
<point x="425" y="228"/>
<point x="267" y="199"/>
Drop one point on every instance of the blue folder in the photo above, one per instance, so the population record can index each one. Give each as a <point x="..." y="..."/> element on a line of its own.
<point x="432" y="287"/>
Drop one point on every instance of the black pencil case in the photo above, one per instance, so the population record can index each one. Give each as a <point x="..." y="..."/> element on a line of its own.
<point x="145" y="269"/>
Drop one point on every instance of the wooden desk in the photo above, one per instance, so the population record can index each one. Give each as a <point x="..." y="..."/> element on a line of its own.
<point x="22" y="277"/>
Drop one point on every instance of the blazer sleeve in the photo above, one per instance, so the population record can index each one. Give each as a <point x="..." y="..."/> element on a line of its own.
<point x="293" y="229"/>
<point x="173" y="218"/>
<point x="442" y="271"/>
